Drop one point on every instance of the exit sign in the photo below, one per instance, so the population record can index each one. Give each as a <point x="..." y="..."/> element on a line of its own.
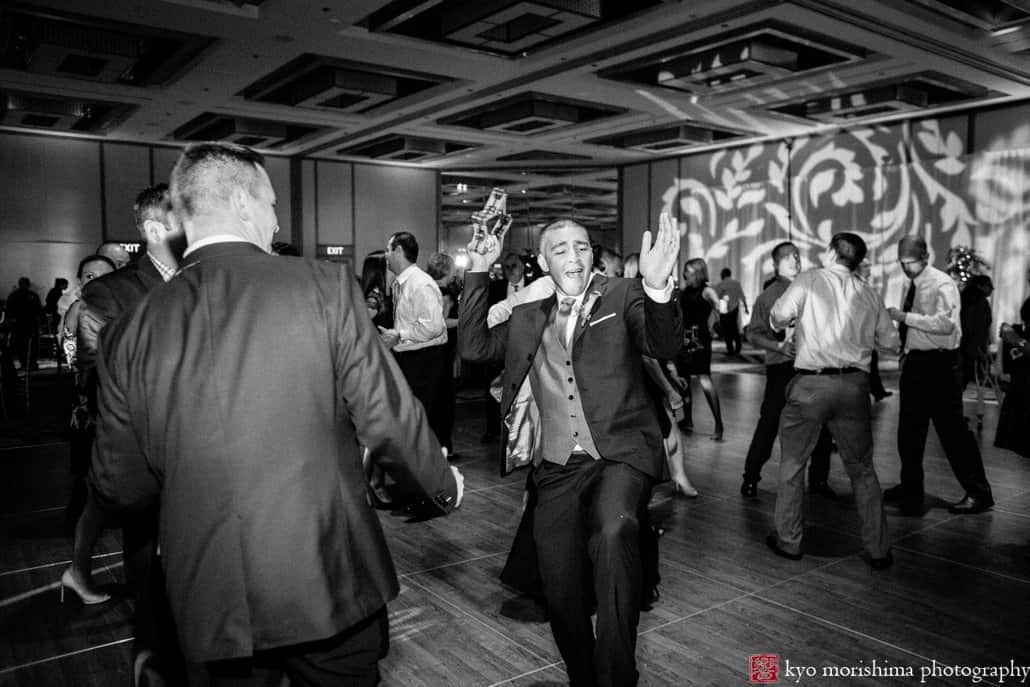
<point x="334" y="252"/>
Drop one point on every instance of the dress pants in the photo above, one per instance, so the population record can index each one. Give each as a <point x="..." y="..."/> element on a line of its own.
<point x="729" y="324"/>
<point x="931" y="388"/>
<point x="444" y="402"/>
<point x="587" y="518"/>
<point x="350" y="658"/>
<point x="777" y="376"/>
<point x="424" y="368"/>
<point x="841" y="402"/>
<point x="153" y="624"/>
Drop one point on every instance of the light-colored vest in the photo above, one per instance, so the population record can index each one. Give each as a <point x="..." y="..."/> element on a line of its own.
<point x="563" y="423"/>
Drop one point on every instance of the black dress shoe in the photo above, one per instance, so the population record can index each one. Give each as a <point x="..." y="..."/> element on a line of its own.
<point x="773" y="543"/>
<point x="882" y="563"/>
<point x="882" y="395"/>
<point x="749" y="488"/>
<point x="971" y="504"/>
<point x="911" y="508"/>
<point x="822" y="489"/>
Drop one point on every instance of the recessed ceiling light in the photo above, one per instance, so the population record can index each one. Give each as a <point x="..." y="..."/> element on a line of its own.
<point x="1006" y="30"/>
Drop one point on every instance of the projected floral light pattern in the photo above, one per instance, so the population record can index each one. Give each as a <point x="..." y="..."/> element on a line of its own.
<point x="881" y="182"/>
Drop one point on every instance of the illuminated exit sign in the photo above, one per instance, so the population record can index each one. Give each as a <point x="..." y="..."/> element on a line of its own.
<point x="334" y="252"/>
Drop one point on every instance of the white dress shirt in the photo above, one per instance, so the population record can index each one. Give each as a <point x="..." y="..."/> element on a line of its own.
<point x="418" y="311"/>
<point x="217" y="238"/>
<point x="934" y="321"/>
<point x="839" y="319"/>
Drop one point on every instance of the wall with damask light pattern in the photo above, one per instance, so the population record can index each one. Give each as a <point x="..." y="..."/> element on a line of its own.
<point x="957" y="180"/>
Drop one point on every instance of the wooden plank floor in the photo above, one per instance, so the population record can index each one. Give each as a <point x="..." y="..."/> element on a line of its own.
<point x="959" y="593"/>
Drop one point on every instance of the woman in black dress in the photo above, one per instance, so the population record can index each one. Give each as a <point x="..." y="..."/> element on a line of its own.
<point x="373" y="288"/>
<point x="1015" y="408"/>
<point x="698" y="300"/>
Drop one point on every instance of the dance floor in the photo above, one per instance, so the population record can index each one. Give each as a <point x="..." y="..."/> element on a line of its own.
<point x="956" y="600"/>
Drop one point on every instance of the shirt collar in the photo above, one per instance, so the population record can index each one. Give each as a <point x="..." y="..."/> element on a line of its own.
<point x="837" y="267"/>
<point x="578" y="300"/>
<point x="164" y="270"/>
<point x="924" y="275"/>
<point x="407" y="273"/>
<point x="216" y="238"/>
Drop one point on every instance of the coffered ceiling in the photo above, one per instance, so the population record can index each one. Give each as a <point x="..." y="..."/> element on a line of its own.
<point x="540" y="96"/>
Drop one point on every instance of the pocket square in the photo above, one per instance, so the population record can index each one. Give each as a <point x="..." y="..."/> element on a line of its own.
<point x="602" y="319"/>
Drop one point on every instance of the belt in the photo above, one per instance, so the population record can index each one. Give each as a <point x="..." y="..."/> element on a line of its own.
<point x="929" y="351"/>
<point x="828" y="371"/>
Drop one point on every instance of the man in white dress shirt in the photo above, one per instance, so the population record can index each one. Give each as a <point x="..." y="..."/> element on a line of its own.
<point x="931" y="385"/>
<point x="839" y="319"/>
<point x="419" y="334"/>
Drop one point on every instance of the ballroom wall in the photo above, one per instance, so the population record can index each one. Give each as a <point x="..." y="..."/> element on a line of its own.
<point x="61" y="197"/>
<point x="958" y="180"/>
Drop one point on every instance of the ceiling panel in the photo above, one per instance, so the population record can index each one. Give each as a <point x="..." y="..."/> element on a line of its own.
<point x="552" y="88"/>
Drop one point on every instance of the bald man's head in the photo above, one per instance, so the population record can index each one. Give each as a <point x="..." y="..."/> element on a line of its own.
<point x="913" y="255"/>
<point x="115" y="253"/>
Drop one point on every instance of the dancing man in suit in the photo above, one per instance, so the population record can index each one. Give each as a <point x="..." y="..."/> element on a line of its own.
<point x="598" y="447"/>
<point x="104" y="300"/>
<point x="274" y="561"/>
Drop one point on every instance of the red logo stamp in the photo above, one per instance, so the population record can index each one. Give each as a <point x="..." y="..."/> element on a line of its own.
<point x="764" y="669"/>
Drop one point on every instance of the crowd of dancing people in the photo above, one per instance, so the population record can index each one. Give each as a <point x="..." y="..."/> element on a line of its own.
<point x="251" y="545"/>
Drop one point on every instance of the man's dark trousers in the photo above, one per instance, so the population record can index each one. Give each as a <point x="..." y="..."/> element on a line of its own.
<point x="586" y="524"/>
<point x="777" y="377"/>
<point x="730" y="326"/>
<point x="350" y="658"/>
<point x="931" y="388"/>
<point x="423" y="369"/>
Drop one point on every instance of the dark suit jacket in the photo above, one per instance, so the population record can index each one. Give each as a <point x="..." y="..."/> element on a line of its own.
<point x="103" y="300"/>
<point x="498" y="291"/>
<point x="238" y="392"/>
<point x="622" y="324"/>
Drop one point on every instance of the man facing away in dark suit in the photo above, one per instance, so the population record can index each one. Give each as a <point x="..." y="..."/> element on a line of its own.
<point x="596" y="446"/>
<point x="238" y="393"/>
<point x="103" y="301"/>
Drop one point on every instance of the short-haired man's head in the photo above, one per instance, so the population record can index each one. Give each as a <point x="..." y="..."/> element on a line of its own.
<point x="563" y="223"/>
<point x="850" y="249"/>
<point x="440" y="266"/>
<point x="151" y="203"/>
<point x="566" y="254"/>
<point x="913" y="247"/>
<point x="115" y="252"/>
<point x="913" y="255"/>
<point x="406" y="242"/>
<point x="514" y="268"/>
<point x="726" y="273"/>
<point x="782" y="250"/>
<point x="786" y="259"/>
<point x="206" y="175"/>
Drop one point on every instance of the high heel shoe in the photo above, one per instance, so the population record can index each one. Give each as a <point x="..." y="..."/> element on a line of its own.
<point x="686" y="490"/>
<point x="87" y="596"/>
